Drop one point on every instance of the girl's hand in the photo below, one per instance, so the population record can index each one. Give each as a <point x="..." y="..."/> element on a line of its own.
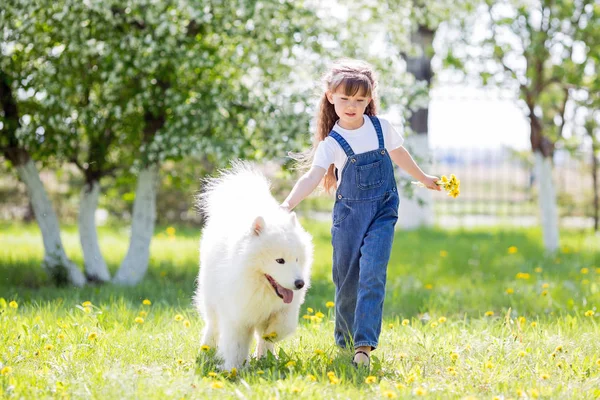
<point x="285" y="207"/>
<point x="430" y="182"/>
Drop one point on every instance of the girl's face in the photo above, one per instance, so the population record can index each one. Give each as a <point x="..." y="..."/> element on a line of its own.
<point x="349" y="109"/>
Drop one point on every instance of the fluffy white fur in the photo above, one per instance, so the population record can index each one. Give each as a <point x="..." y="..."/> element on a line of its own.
<point x="246" y="238"/>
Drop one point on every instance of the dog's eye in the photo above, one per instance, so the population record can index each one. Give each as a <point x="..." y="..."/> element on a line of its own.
<point x="280" y="261"/>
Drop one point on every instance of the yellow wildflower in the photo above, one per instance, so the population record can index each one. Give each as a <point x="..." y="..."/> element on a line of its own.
<point x="310" y="310"/>
<point x="534" y="393"/>
<point x="296" y="389"/>
<point x="585" y="282"/>
<point x="585" y="271"/>
<point x="330" y="304"/>
<point x="443" y="253"/>
<point x="434" y="324"/>
<point x="429" y="286"/>
<point x="489" y="313"/>
<point x="405" y="322"/>
<point x="441" y="320"/>
<point x="311" y="378"/>
<point x="533" y="324"/>
<point x="420" y="391"/>
<point x="489" y="365"/>
<point x="186" y="323"/>
<point x="60" y="336"/>
<point x="13" y="304"/>
<point x="146" y="302"/>
<point x="217" y="385"/>
<point x="233" y="372"/>
<point x="545" y="376"/>
<point x="390" y="325"/>
<point x="306" y="316"/>
<point x="178" y="317"/>
<point x="513" y="250"/>
<point x="170" y="231"/>
<point x="589" y="313"/>
<point x="143" y="313"/>
<point x="522" y="353"/>
<point x="389" y="394"/>
<point x="87" y="304"/>
<point x="544" y="293"/>
<point x="205" y="347"/>
<point x="454" y="356"/>
<point x="370" y="379"/>
<point x="510" y="291"/>
<point x="319" y="352"/>
<point x="400" y="386"/>
<point x="290" y="364"/>
<point x="92" y="336"/>
<point x="598" y="362"/>
<point x="49" y="347"/>
<point x="319" y="314"/>
<point x="214" y="374"/>
<point x="523" y="275"/>
<point x="139" y="320"/>
<point x="6" y="371"/>
<point x="444" y="179"/>
<point x="538" y="269"/>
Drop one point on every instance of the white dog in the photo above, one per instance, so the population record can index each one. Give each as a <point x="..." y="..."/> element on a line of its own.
<point x="255" y="262"/>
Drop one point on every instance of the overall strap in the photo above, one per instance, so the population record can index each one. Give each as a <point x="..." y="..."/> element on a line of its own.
<point x="377" y="126"/>
<point x="342" y="142"/>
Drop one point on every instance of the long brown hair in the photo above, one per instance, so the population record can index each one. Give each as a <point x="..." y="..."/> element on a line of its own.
<point x="351" y="76"/>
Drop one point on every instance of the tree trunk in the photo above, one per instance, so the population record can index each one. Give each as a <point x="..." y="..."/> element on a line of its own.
<point x="595" y="185"/>
<point x="95" y="266"/>
<point x="134" y="266"/>
<point x="418" y="211"/>
<point x="56" y="262"/>
<point x="547" y="201"/>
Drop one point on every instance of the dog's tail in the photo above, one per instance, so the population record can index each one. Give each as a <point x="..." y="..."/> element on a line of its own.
<point x="234" y="187"/>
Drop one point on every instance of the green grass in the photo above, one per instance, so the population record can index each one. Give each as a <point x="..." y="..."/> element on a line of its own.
<point x="538" y="342"/>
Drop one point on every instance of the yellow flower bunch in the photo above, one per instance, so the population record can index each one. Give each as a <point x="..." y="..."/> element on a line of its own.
<point x="452" y="185"/>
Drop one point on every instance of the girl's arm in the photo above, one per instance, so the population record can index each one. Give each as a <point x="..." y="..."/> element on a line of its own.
<point x="402" y="158"/>
<point x="305" y="186"/>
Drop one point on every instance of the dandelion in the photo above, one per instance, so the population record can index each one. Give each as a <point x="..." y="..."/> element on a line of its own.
<point x="139" y="320"/>
<point x="402" y="356"/>
<point x="598" y="362"/>
<point x="443" y="253"/>
<point x="585" y="271"/>
<point x="170" y="231"/>
<point x="510" y="291"/>
<point x="420" y="391"/>
<point x="87" y="304"/>
<point x="179" y="361"/>
<point x="204" y="348"/>
<point x="217" y="385"/>
<point x="310" y="310"/>
<point x="390" y="325"/>
<point x="545" y="286"/>
<point x="306" y="316"/>
<point x="451" y="186"/>
<point x="454" y="356"/>
<point x="178" y="317"/>
<point x="520" y="393"/>
<point x="270" y="336"/>
<point x="49" y="347"/>
<point x="319" y="314"/>
<point x="558" y="349"/>
<point x="334" y="380"/>
<point x="522" y="353"/>
<point x="523" y="275"/>
<point x="370" y="379"/>
<point x="6" y="371"/>
<point x="429" y="286"/>
<point x="434" y="324"/>
<point x="233" y="372"/>
<point x="146" y="302"/>
<point x="411" y="378"/>
<point x="296" y="389"/>
<point x="330" y="374"/>
<point x="319" y="352"/>
<point x="330" y="304"/>
<point x="92" y="336"/>
<point x="533" y="324"/>
<point x="534" y="393"/>
<point x="60" y="336"/>
<point x="389" y="394"/>
<point x="513" y="250"/>
<point x="186" y="323"/>
<point x="538" y="269"/>
<point x="489" y="365"/>
<point x="441" y="320"/>
<point x="544" y="293"/>
<point x="290" y="364"/>
<point x="544" y="376"/>
<point x="87" y="310"/>
<point x="559" y="365"/>
<point x="405" y="322"/>
<point x="13" y="304"/>
<point x="400" y="386"/>
<point x="589" y="313"/>
<point x="143" y="313"/>
<point x="585" y="282"/>
<point x="214" y="374"/>
<point x="311" y="378"/>
<point x="489" y="313"/>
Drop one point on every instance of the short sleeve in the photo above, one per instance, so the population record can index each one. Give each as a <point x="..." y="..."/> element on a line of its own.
<point x="325" y="155"/>
<point x="393" y="138"/>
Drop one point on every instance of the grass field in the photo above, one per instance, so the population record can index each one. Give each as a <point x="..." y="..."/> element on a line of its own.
<point x="468" y="314"/>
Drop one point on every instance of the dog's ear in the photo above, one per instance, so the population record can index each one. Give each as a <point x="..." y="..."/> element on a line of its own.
<point x="293" y="218"/>
<point x="258" y="226"/>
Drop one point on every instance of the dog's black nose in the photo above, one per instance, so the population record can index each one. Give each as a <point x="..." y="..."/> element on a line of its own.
<point x="299" y="283"/>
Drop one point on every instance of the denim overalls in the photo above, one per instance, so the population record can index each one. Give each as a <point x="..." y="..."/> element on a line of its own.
<point x="364" y="216"/>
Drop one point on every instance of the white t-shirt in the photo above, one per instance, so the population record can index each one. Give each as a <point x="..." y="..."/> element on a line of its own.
<point x="361" y="140"/>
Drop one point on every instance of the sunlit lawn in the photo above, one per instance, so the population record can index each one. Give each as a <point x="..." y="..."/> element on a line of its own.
<point x="468" y="313"/>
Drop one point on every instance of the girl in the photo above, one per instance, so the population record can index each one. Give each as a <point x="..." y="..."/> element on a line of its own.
<point x="353" y="152"/>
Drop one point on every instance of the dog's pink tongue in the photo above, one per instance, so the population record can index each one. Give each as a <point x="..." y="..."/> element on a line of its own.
<point x="287" y="294"/>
